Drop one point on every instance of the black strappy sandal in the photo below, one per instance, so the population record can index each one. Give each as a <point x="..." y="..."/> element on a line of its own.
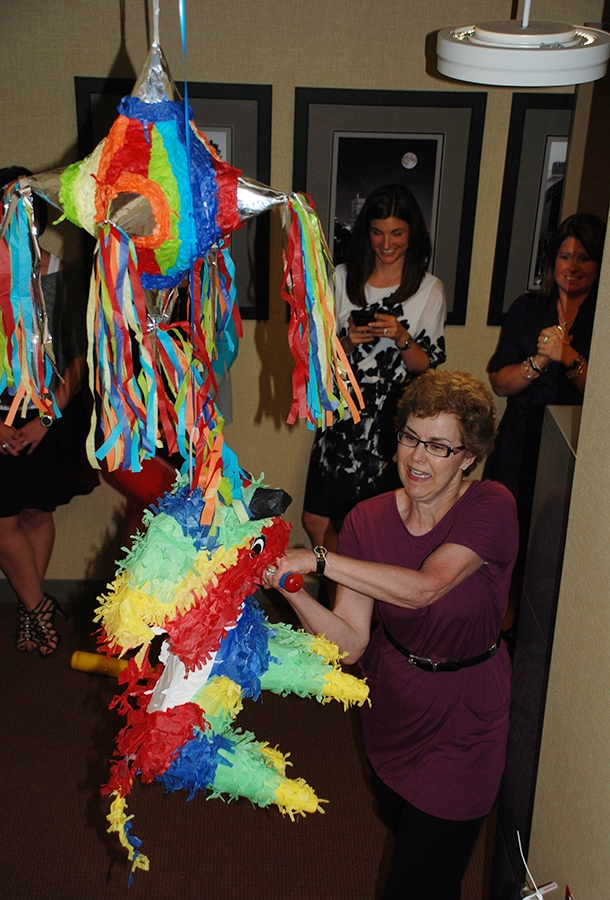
<point x="27" y="637"/>
<point x="43" y="620"/>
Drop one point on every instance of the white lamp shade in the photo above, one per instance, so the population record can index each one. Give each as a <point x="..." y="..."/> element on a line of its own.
<point x="543" y="54"/>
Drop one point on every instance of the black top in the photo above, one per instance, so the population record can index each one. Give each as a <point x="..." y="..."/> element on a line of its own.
<point x="526" y="318"/>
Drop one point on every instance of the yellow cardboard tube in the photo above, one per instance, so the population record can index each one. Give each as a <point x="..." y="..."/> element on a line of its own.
<point x="94" y="662"/>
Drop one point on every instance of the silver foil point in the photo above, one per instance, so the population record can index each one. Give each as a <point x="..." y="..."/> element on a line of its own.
<point x="254" y="198"/>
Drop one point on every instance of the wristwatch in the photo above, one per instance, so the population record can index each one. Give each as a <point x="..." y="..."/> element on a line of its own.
<point x="576" y="362"/>
<point x="46" y="420"/>
<point x="321" y="554"/>
<point x="407" y="345"/>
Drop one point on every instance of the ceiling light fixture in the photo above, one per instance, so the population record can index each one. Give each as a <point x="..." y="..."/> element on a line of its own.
<point x="523" y="54"/>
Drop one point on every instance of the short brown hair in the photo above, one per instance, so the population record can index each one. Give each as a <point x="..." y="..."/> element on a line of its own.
<point x="460" y="394"/>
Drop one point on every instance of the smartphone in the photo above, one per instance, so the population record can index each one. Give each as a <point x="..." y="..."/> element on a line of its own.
<point x="362" y="317"/>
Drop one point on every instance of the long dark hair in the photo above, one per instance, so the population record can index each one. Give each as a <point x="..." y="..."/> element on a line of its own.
<point x="382" y="203"/>
<point x="584" y="227"/>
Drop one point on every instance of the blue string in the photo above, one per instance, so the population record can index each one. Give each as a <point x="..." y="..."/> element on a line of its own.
<point x="188" y="157"/>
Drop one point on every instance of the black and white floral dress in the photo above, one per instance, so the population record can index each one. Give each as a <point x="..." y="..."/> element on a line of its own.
<point x="353" y="461"/>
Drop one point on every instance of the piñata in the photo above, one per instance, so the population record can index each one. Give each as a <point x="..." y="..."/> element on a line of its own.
<point x="160" y="204"/>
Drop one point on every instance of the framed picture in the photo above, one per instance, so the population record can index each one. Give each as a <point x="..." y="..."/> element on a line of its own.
<point x="532" y="193"/>
<point x="347" y="142"/>
<point x="236" y="118"/>
<point x="360" y="160"/>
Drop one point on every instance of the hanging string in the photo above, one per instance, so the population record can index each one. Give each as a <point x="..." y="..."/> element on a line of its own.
<point x="187" y="132"/>
<point x="156" y="23"/>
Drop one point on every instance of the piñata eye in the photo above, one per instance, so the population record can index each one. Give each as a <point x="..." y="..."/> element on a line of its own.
<point x="258" y="546"/>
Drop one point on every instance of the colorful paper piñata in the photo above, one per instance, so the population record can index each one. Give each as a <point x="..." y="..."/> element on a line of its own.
<point x="160" y="203"/>
<point x="196" y="588"/>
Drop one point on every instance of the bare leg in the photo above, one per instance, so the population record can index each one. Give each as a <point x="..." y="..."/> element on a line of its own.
<point x="20" y="562"/>
<point x="39" y="527"/>
<point x="26" y="543"/>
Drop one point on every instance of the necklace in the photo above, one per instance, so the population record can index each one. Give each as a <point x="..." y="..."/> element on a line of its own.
<point x="562" y="327"/>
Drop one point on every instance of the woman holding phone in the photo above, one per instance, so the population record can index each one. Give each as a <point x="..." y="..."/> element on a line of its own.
<point x="390" y="316"/>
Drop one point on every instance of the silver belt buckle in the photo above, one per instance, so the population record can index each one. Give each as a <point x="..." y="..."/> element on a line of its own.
<point x="415" y="661"/>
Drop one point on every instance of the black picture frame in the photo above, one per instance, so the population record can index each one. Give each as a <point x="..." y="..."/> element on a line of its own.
<point x="323" y="113"/>
<point x="534" y="119"/>
<point x="243" y="112"/>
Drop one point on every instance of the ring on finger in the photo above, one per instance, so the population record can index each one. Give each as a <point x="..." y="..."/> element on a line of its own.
<point x="385" y="331"/>
<point x="270" y="571"/>
<point x="545" y="339"/>
<point x="5" y="446"/>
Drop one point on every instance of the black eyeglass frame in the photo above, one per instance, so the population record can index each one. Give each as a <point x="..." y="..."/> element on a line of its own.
<point x="450" y="450"/>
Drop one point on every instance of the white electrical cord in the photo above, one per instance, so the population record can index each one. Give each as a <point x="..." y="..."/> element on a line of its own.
<point x="536" y="893"/>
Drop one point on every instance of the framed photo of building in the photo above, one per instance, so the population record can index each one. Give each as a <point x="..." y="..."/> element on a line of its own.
<point x="361" y="161"/>
<point x="347" y="142"/>
<point x="532" y="193"/>
<point x="548" y="213"/>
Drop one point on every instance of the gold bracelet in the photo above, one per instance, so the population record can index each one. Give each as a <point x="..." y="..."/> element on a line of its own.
<point x="575" y="368"/>
<point x="534" y="365"/>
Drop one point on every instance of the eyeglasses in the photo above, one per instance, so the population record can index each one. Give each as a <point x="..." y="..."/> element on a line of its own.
<point x="431" y="447"/>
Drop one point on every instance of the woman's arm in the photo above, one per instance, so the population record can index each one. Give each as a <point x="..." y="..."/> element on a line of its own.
<point x="348" y="624"/>
<point x="11" y="442"/>
<point x="73" y="375"/>
<point x="428" y="327"/>
<point x="445" y="568"/>
<point x="556" y="345"/>
<point x="385" y="325"/>
<point x="356" y="335"/>
<point x="33" y="431"/>
<point x="414" y="358"/>
<point x="512" y="379"/>
<point x="552" y="346"/>
<point x="509" y="369"/>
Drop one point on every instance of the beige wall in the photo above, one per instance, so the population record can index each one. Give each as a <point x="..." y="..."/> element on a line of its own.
<point x="336" y="44"/>
<point x="349" y="44"/>
<point x="571" y="829"/>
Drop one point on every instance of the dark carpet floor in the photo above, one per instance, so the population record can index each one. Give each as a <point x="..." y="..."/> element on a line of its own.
<point x="56" y="736"/>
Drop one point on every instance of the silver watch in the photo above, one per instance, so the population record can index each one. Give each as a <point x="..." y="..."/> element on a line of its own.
<point x="321" y="554"/>
<point x="46" y="420"/>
